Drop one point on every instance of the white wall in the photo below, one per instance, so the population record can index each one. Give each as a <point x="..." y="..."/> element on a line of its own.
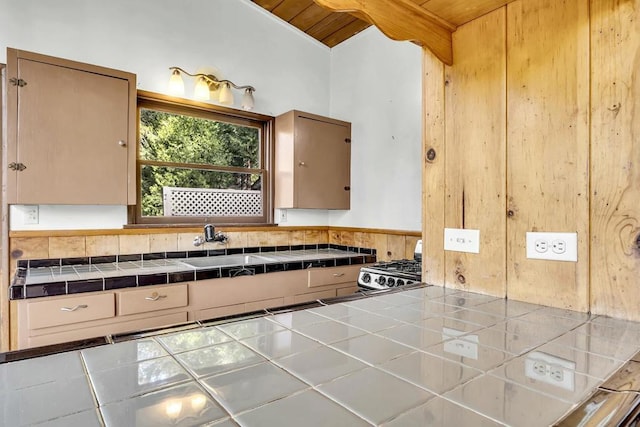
<point x="376" y="84"/>
<point x="234" y="38"/>
<point x="238" y="40"/>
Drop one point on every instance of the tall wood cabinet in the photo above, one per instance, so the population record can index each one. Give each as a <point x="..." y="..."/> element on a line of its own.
<point x="71" y="132"/>
<point x="312" y="162"/>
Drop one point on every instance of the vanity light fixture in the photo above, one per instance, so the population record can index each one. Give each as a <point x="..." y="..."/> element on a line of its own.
<point x="206" y="83"/>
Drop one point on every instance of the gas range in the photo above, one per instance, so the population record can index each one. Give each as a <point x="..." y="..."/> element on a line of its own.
<point x="391" y="274"/>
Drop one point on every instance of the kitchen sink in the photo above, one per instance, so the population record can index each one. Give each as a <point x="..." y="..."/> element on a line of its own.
<point x="227" y="260"/>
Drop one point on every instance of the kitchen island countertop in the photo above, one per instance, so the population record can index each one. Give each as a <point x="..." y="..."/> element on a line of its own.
<point x="420" y="356"/>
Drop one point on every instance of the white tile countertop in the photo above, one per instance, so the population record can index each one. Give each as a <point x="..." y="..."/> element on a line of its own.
<point x="65" y="276"/>
<point x="424" y="356"/>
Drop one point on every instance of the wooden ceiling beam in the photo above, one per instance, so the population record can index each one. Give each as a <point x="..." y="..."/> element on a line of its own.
<point x="401" y="20"/>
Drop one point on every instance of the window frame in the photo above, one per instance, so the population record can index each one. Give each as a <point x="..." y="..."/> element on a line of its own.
<point x="169" y="104"/>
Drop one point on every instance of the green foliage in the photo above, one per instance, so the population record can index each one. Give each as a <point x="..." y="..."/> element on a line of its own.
<point x="193" y="141"/>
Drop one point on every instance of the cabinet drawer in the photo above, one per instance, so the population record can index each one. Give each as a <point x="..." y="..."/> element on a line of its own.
<point x="152" y="299"/>
<point x="333" y="275"/>
<point x="65" y="311"/>
<point x="260" y="305"/>
<point x="314" y="296"/>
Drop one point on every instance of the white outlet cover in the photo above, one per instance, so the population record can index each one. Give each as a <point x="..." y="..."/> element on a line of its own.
<point x="570" y="250"/>
<point x="551" y="370"/>
<point x="462" y="240"/>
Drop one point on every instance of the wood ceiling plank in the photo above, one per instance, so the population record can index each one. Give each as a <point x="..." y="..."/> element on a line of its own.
<point x="288" y="9"/>
<point x="310" y="17"/>
<point x="345" y="32"/>
<point x="267" y="4"/>
<point x="329" y="24"/>
<point x="402" y="20"/>
<point x="460" y="12"/>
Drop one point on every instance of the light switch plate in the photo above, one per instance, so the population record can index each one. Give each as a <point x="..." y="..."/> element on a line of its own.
<point x="552" y="246"/>
<point x="462" y="240"/>
<point x="30" y="214"/>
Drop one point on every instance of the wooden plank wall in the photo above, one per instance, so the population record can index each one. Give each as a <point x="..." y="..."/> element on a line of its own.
<point x="548" y="145"/>
<point x="615" y="158"/>
<point x="433" y="172"/>
<point x="542" y="104"/>
<point x="476" y="156"/>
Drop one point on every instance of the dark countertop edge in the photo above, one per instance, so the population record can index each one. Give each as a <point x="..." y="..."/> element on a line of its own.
<point x="48" y="350"/>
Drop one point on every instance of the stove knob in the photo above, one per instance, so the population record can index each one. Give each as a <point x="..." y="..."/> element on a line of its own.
<point x="399" y="282"/>
<point x="366" y="277"/>
<point x="391" y="282"/>
<point x="382" y="280"/>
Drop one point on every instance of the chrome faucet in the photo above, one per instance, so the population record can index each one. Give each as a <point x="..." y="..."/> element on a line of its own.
<point x="210" y="235"/>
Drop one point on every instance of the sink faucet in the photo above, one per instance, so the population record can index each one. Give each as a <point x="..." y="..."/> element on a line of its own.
<point x="210" y="235"/>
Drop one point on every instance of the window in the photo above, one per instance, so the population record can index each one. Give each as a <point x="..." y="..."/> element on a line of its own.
<point x="200" y="163"/>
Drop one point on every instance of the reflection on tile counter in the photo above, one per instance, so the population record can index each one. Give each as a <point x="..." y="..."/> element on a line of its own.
<point x="443" y="358"/>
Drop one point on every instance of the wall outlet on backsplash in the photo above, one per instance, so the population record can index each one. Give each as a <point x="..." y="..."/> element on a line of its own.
<point x="30" y="214"/>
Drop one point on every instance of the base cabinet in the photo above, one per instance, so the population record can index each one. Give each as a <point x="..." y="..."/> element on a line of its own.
<point x="52" y="320"/>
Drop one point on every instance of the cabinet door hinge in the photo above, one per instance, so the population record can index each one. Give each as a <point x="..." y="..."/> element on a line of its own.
<point x="17" y="166"/>
<point x="17" y="82"/>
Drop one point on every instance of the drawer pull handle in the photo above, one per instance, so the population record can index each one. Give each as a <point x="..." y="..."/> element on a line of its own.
<point x="155" y="297"/>
<point x="338" y="274"/>
<point x="74" y="308"/>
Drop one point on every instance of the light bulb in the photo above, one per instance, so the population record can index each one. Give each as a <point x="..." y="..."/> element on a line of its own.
<point x="201" y="91"/>
<point x="247" y="100"/>
<point x="226" y="96"/>
<point x="176" y="85"/>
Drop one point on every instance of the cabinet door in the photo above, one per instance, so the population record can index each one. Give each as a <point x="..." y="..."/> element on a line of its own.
<point x="72" y="134"/>
<point x="322" y="164"/>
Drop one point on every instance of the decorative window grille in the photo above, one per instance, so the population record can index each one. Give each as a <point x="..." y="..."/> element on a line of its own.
<point x="211" y="202"/>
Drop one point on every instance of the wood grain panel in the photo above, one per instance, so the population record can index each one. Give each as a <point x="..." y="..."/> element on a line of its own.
<point x="288" y="9"/>
<point x="547" y="152"/>
<point x="328" y="25"/>
<point x="60" y="247"/>
<point x="396" y="246"/>
<point x="459" y="12"/>
<point x="433" y="171"/>
<point x="102" y="245"/>
<point x="476" y="153"/>
<point x="615" y="156"/>
<point x="309" y="17"/>
<point x="410" y="246"/>
<point x="401" y="20"/>
<point x="345" y="32"/>
<point x="268" y="4"/>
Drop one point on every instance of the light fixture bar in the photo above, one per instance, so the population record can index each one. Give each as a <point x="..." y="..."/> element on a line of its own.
<point x="213" y="80"/>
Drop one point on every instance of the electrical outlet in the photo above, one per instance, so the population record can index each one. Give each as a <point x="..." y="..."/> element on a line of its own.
<point x="541" y="246"/>
<point x="559" y="246"/>
<point x="462" y="240"/>
<point x="282" y="215"/>
<point x="550" y="369"/>
<point x="30" y="214"/>
<point x="552" y="246"/>
<point x="465" y="346"/>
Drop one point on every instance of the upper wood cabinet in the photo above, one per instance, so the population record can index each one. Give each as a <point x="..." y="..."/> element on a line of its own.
<point x="71" y="132"/>
<point x="312" y="162"/>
